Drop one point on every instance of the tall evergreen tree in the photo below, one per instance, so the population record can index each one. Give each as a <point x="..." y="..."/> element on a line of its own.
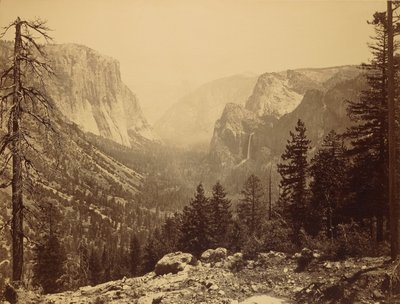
<point x="23" y="107"/>
<point x="293" y="184"/>
<point x="106" y="265"/>
<point x="135" y="254"/>
<point x="95" y="269"/>
<point x="195" y="230"/>
<point x="220" y="217"/>
<point x="49" y="254"/>
<point x="49" y="262"/>
<point x="369" y="135"/>
<point x="151" y="252"/>
<point x="83" y="262"/>
<point x="328" y="183"/>
<point x="171" y="233"/>
<point x="251" y="209"/>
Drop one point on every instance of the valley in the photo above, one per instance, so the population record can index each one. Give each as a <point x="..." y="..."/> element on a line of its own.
<point x="279" y="186"/>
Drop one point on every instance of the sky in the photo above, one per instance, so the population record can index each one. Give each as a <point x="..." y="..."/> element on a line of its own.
<point x="166" y="48"/>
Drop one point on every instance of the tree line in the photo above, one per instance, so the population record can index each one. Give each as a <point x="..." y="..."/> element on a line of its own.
<point x="349" y="185"/>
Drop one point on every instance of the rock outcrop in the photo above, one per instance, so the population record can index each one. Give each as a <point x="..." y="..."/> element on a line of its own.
<point x="271" y="278"/>
<point x="174" y="262"/>
<point x="89" y="91"/>
<point x="214" y="255"/>
<point x="277" y="94"/>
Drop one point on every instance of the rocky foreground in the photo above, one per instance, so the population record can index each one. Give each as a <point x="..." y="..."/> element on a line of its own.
<point x="270" y="278"/>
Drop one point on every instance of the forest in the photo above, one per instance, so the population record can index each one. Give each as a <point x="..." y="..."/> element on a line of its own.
<point x="95" y="211"/>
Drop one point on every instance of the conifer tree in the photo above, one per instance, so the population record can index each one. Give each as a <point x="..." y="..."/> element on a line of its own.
<point x="369" y="134"/>
<point x="23" y="107"/>
<point x="95" y="268"/>
<point x="83" y="262"/>
<point x="195" y="230"/>
<point x="151" y="253"/>
<point x="220" y="220"/>
<point x="293" y="184"/>
<point x="251" y="210"/>
<point x="135" y="254"/>
<point x="171" y="233"/>
<point x="328" y="183"/>
<point x="49" y="263"/>
<point x="49" y="254"/>
<point x="106" y="265"/>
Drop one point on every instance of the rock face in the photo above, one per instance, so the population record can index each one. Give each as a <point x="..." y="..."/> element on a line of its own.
<point x="173" y="263"/>
<point x="190" y="122"/>
<point x="317" y="96"/>
<point x="232" y="133"/>
<point x="89" y="91"/>
<point x="277" y="94"/>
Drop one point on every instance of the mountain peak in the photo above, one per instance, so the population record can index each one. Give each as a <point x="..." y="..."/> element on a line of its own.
<point x="279" y="93"/>
<point x="89" y="91"/>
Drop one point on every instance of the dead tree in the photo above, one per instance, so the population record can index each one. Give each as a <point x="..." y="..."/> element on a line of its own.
<point x="23" y="104"/>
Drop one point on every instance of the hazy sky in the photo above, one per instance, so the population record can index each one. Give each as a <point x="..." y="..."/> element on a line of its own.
<point x="167" y="47"/>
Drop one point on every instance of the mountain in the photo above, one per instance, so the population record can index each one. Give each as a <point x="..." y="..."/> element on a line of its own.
<point x="254" y="135"/>
<point x="280" y="93"/>
<point x="89" y="91"/>
<point x="190" y="122"/>
<point x="89" y="190"/>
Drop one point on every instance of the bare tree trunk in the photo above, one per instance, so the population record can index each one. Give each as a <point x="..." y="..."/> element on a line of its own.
<point x="17" y="202"/>
<point x="394" y="216"/>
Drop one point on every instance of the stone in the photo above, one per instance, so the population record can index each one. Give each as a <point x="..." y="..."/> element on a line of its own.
<point x="173" y="263"/>
<point x="316" y="254"/>
<point x="377" y="294"/>
<point x="234" y="262"/>
<point x="214" y="255"/>
<point x="254" y="288"/>
<point x="155" y="298"/>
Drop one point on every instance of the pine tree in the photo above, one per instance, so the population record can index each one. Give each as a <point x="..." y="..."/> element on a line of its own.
<point x="171" y="233"/>
<point x="135" y="254"/>
<point x="293" y="184"/>
<point x="369" y="135"/>
<point x="328" y="183"/>
<point x="220" y="220"/>
<point x="251" y="210"/>
<point x="83" y="263"/>
<point x="151" y="252"/>
<point x="23" y="107"/>
<point x="106" y="265"/>
<point x="195" y="231"/>
<point x="95" y="268"/>
<point x="50" y="256"/>
<point x="49" y="262"/>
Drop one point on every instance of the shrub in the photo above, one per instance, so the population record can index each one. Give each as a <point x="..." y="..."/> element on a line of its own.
<point x="276" y="237"/>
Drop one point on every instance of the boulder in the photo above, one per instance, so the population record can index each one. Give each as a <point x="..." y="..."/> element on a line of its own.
<point x="214" y="255"/>
<point x="235" y="262"/>
<point x="174" y="262"/>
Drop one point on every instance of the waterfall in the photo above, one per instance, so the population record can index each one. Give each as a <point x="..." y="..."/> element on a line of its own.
<point x="248" y="151"/>
<point x="248" y="146"/>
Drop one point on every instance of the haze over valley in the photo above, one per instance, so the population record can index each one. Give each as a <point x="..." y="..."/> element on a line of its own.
<point x="199" y="152"/>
